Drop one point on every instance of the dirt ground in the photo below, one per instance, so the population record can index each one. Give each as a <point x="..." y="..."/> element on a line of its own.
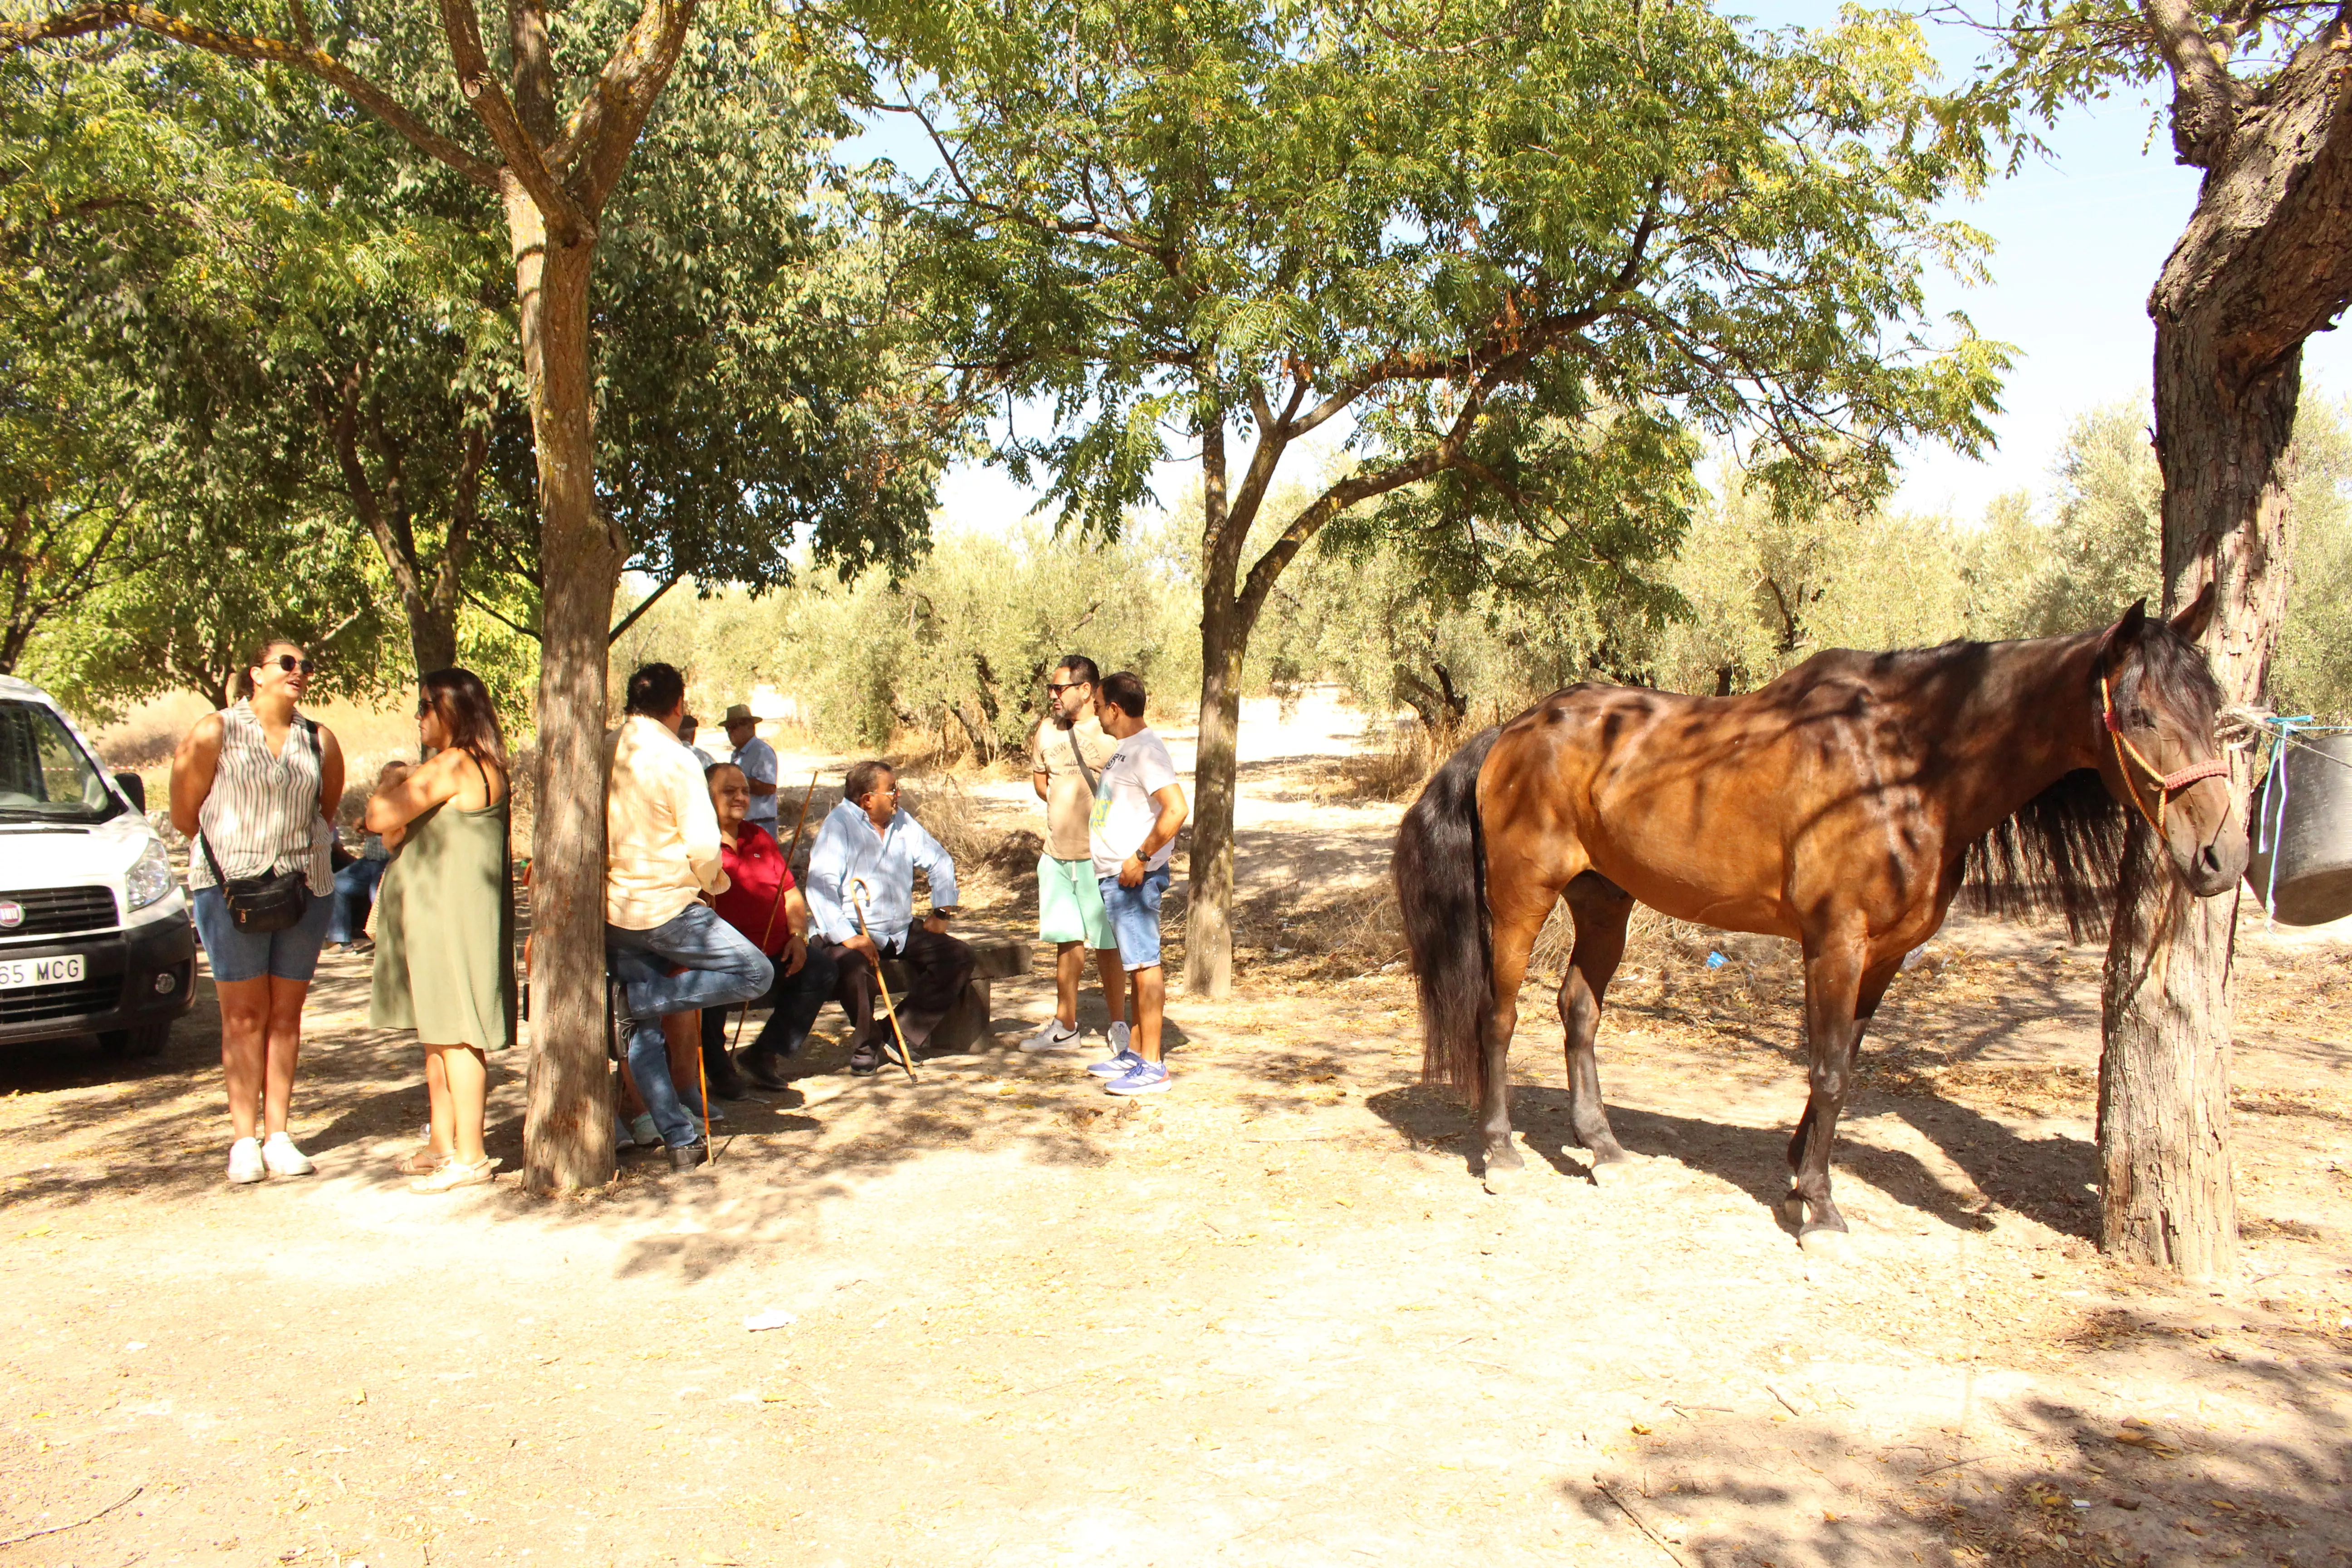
<point x="1269" y="1317"/>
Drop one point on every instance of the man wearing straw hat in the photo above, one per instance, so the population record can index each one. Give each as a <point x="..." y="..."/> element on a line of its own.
<point x="758" y="761"/>
<point x="861" y="899"/>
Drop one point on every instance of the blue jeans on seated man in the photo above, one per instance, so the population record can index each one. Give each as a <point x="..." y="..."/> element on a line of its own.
<point x="355" y="887"/>
<point x="721" y="968"/>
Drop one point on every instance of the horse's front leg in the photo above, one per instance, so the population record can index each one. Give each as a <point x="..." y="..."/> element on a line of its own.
<point x="1835" y="978"/>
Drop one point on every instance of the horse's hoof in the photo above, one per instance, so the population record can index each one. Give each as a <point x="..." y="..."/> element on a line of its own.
<point x="1499" y="1174"/>
<point x="1826" y="1244"/>
<point x="1618" y="1170"/>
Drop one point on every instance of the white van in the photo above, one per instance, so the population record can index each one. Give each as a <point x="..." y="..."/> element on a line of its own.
<point x="94" y="933"/>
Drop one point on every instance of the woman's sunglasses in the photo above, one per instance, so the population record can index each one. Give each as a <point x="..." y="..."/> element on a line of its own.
<point x="290" y="664"/>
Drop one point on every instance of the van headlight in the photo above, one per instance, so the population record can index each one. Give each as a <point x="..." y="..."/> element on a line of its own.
<point x="150" y="876"/>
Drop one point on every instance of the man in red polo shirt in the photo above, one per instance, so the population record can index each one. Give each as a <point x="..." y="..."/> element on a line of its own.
<point x="763" y="903"/>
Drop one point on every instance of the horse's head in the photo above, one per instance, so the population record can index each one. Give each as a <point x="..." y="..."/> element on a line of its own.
<point x="2157" y="750"/>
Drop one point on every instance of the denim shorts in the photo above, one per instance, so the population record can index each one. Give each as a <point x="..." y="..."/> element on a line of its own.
<point x="288" y="954"/>
<point x="1135" y="917"/>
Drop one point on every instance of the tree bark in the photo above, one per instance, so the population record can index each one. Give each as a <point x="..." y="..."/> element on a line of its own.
<point x="567" y="1133"/>
<point x="2262" y="265"/>
<point x="1209" y="894"/>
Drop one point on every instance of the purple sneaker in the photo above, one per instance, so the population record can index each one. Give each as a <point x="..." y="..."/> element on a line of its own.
<point x="1143" y="1078"/>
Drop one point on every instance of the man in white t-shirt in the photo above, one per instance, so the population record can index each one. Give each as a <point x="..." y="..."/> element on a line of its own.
<point x="1138" y="810"/>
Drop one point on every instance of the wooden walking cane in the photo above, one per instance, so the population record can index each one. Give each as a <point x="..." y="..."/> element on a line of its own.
<point x="857" y="894"/>
<point x="770" y="929"/>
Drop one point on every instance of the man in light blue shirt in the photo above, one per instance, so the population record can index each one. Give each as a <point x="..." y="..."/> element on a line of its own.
<point x="758" y="761"/>
<point x="868" y="851"/>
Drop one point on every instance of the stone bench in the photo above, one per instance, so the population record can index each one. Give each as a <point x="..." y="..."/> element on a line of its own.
<point x="994" y="958"/>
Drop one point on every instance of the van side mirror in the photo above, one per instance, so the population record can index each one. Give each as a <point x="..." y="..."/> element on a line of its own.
<point x="133" y="785"/>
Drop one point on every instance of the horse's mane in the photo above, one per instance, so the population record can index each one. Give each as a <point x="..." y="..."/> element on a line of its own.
<point x="2060" y="853"/>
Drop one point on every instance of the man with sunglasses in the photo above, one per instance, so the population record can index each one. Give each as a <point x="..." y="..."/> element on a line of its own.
<point x="1066" y="757"/>
<point x="861" y="900"/>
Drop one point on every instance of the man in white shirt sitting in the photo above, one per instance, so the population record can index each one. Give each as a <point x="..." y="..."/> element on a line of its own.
<point x="868" y="840"/>
<point x="661" y="854"/>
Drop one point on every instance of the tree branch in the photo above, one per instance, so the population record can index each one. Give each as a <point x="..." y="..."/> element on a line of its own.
<point x="650" y="600"/>
<point x="498" y="614"/>
<point x="84" y="20"/>
<point x="2205" y="97"/>
<point x="566" y="223"/>
<point x="601" y="133"/>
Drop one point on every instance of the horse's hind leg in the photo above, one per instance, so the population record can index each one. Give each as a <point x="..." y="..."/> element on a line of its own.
<point x="1600" y="908"/>
<point x="1516" y="914"/>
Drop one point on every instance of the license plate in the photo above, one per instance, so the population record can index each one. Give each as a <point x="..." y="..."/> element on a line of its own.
<point x="15" y="974"/>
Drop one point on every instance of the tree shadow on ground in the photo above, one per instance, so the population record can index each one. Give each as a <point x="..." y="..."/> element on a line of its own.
<point x="2027" y="1480"/>
<point x="159" y="1129"/>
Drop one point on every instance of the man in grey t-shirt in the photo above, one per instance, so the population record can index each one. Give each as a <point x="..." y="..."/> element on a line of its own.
<point x="1066" y="758"/>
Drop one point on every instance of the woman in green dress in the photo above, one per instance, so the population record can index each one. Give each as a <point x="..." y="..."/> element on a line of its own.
<point x="445" y="920"/>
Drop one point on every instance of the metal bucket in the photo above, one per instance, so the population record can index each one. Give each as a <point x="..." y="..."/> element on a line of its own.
<point x="2312" y="845"/>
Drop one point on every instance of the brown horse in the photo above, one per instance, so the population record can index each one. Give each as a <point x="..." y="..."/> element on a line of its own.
<point x="1839" y="806"/>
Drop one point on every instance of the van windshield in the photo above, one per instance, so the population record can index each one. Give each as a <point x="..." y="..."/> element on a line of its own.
<point x="45" y="775"/>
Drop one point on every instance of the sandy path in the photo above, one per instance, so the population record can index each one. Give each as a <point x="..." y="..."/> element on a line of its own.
<point x="1267" y="1318"/>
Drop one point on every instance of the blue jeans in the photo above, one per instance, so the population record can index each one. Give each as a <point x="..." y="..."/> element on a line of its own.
<point x="355" y="887"/>
<point x="1135" y="918"/>
<point x="723" y="968"/>
<point x="288" y="954"/>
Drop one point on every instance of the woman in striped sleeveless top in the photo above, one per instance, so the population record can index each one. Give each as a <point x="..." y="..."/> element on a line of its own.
<point x="258" y="783"/>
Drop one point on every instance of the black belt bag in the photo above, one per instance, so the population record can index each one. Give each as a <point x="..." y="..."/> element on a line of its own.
<point x="261" y="905"/>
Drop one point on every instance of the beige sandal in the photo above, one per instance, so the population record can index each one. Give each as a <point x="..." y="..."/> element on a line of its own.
<point x="423" y="1163"/>
<point x="452" y="1174"/>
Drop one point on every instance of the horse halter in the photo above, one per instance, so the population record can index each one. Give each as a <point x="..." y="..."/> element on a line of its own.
<point x="2167" y="784"/>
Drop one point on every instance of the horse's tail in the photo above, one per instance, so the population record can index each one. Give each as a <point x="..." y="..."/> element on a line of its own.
<point x="1441" y="882"/>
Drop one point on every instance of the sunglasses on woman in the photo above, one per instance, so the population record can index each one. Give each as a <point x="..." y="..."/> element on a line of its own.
<point x="290" y="664"/>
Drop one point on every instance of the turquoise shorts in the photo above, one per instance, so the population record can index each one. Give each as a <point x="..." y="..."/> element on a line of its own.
<point x="1069" y="904"/>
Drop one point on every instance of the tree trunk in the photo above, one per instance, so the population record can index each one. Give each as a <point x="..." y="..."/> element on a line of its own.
<point x="1209" y="894"/>
<point x="2261" y="267"/>
<point x="432" y="635"/>
<point x="567" y="1133"/>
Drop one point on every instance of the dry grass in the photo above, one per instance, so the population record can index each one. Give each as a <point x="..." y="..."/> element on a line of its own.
<point x="1361" y="930"/>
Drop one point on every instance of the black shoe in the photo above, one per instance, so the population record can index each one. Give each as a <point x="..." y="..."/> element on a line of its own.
<point x="686" y="1156"/>
<point x="726" y="1083"/>
<point x="764" y="1071"/>
<point x="865" y="1059"/>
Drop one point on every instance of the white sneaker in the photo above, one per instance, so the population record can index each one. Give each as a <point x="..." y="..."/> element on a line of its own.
<point x="641" y="1127"/>
<point x="245" y="1161"/>
<point x="283" y="1159"/>
<point x="1053" y="1034"/>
